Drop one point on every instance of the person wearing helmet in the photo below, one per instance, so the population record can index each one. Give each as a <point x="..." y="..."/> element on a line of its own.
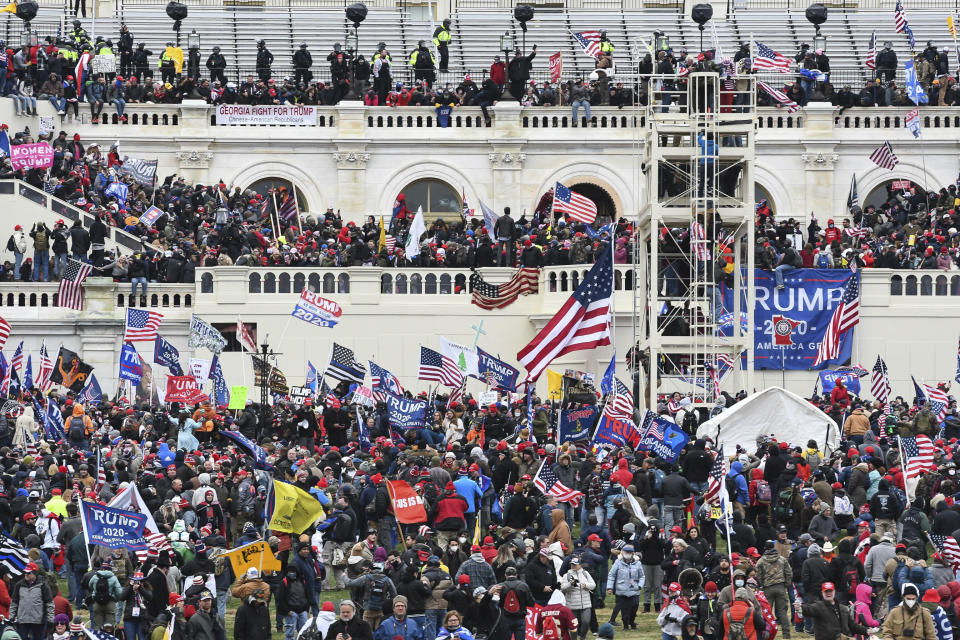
<point x="302" y="61"/>
<point x="141" y="62"/>
<point x="126" y="51"/>
<point x="217" y="64"/>
<point x="264" y="60"/>
<point x="441" y="38"/>
<point x="423" y="63"/>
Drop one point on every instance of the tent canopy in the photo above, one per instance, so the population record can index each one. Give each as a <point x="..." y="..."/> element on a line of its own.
<point x="772" y="412"/>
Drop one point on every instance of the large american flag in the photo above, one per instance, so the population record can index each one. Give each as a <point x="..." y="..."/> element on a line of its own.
<point x="496" y="296"/>
<point x="70" y="294"/>
<point x="880" y="381"/>
<point x="546" y="480"/>
<point x="288" y="208"/>
<point x="872" y="51"/>
<point x="918" y="451"/>
<point x="620" y="403"/>
<point x="938" y="401"/>
<point x="901" y="24"/>
<point x="845" y="317"/>
<point x="589" y="41"/>
<point x="715" y="480"/>
<point x="583" y="322"/>
<point x="949" y="549"/>
<point x="344" y="365"/>
<point x="435" y="367"/>
<point x="579" y="207"/>
<point x="884" y="157"/>
<point x="141" y="325"/>
<point x="769" y="60"/>
<point x="779" y="96"/>
<point x="4" y="332"/>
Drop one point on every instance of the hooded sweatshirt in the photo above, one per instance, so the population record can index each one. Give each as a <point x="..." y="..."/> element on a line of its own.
<point x="559" y="530"/>
<point x="862" y="606"/>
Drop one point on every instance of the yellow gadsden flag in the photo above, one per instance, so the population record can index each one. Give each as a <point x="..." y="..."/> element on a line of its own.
<point x="10" y="8"/>
<point x="256" y="555"/>
<point x="383" y="236"/>
<point x="555" y="385"/>
<point x="295" y="509"/>
<point x="950" y="26"/>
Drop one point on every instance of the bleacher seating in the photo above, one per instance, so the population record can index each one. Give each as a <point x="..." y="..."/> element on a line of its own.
<point x="476" y="34"/>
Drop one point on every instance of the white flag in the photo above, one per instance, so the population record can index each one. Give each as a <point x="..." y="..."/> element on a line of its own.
<point x="417" y="229"/>
<point x="465" y="358"/>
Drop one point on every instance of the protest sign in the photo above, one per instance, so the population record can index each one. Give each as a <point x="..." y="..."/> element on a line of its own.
<point x="407" y="505"/>
<point x="38" y="155"/>
<point x="258" y="114"/>
<point x="299" y="395"/>
<point x="487" y="398"/>
<point x="556" y="66"/>
<point x="184" y="389"/>
<point x="238" y="397"/>
<point x="256" y="555"/>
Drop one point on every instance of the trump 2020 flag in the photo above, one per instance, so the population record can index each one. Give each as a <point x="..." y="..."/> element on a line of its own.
<point x="311" y="382"/>
<point x="405" y="413"/>
<point x="91" y="394"/>
<point x="221" y="392"/>
<point x="259" y="453"/>
<point x="112" y="527"/>
<point x="167" y="355"/>
<point x="130" y="368"/>
<point x="915" y="90"/>
<point x="53" y="424"/>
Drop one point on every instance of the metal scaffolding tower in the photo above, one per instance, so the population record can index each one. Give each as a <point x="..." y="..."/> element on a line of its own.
<point x="696" y="238"/>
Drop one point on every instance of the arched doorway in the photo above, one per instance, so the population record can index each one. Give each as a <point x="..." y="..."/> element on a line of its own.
<point x="265" y="185"/>
<point x="760" y="193"/>
<point x="437" y="199"/>
<point x="883" y="192"/>
<point x="606" y="208"/>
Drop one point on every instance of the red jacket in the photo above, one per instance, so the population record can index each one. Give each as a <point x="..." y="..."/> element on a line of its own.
<point x="741" y="611"/>
<point x="840" y="396"/>
<point x="498" y="72"/>
<point x="448" y="514"/>
<point x="830" y="234"/>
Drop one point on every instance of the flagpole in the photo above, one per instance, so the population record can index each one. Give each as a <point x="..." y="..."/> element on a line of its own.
<point x="86" y="536"/>
<point x="293" y="191"/>
<point x="276" y="226"/>
<point x="243" y="351"/>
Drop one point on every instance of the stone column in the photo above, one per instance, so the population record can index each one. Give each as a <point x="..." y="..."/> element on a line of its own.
<point x="194" y="156"/>
<point x="819" y="159"/>
<point x="506" y="157"/>
<point x="351" y="156"/>
<point x="100" y="328"/>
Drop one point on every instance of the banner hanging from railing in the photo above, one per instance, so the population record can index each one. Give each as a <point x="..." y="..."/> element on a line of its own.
<point x="284" y="114"/>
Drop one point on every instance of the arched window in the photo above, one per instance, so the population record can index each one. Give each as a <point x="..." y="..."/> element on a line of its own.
<point x="760" y="193"/>
<point x="606" y="208"/>
<point x="885" y="191"/>
<point x="281" y="187"/>
<point x="437" y="198"/>
<point x="298" y="282"/>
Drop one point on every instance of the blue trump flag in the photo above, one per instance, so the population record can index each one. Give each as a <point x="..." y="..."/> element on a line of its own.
<point x="617" y="431"/>
<point x="607" y="381"/>
<point x="130" y="367"/>
<point x="311" y="382"/>
<point x="53" y="422"/>
<point x="112" y="527"/>
<point x="221" y="392"/>
<point x="915" y="90"/>
<point x="92" y="394"/>
<point x="405" y="413"/>
<point x="259" y="453"/>
<point x="829" y="377"/>
<point x="28" y="374"/>
<point x="791" y="323"/>
<point x="576" y="424"/>
<point x="498" y="373"/>
<point x="167" y="355"/>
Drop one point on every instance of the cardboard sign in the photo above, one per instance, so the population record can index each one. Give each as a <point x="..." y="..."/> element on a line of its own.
<point x="238" y="397"/>
<point x="298" y="395"/>
<point x="487" y="398"/>
<point x="556" y="66"/>
<point x="46" y="124"/>
<point x="103" y="64"/>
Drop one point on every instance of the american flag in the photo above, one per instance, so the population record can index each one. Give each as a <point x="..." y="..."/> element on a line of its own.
<point x="101" y="473"/>
<point x="938" y="401"/>
<point x="391" y="243"/>
<point x="98" y="634"/>
<point x="652" y="426"/>
<point x="769" y="60"/>
<point x="46" y="368"/>
<point x="901" y="24"/>
<point x="436" y="367"/>
<point x="887" y="410"/>
<point x="288" y="208"/>
<point x="141" y="325"/>
<point x="496" y="296"/>
<point x="4" y="332"/>
<point x="884" y="157"/>
<point x="70" y="294"/>
<point x="949" y="549"/>
<point x="383" y="380"/>
<point x="714" y="370"/>
<point x="344" y="365"/>
<point x="456" y="396"/>
<point x="546" y="480"/>
<point x="579" y="207"/>
<point x="698" y="239"/>
<point x="853" y="199"/>
<point x="620" y="403"/>
<point x="17" y="362"/>
<point x="845" y="317"/>
<point x="245" y="338"/>
<point x="582" y="323"/>
<point x="589" y="41"/>
<point x="918" y="452"/>
<point x="872" y="52"/>
<point x="779" y="96"/>
<point x="718" y="473"/>
<point x="880" y="381"/>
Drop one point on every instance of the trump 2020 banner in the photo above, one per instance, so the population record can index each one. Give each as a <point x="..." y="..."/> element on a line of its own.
<point x="496" y="372"/>
<point x="576" y="424"/>
<point x="405" y="413"/>
<point x="618" y="432"/>
<point x="114" y="528"/>
<point x="317" y="310"/>
<point x="790" y="323"/>
<point x="829" y="377"/>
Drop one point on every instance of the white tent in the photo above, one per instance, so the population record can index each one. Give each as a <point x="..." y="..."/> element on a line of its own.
<point x="772" y="412"/>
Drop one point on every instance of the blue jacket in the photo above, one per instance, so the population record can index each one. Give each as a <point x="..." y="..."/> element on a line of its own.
<point x="463" y="634"/>
<point x="306" y="570"/>
<point x="736" y="472"/>
<point x="391" y="627"/>
<point x="470" y="491"/>
<point x="626" y="579"/>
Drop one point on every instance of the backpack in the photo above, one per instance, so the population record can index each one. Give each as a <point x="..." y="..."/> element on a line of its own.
<point x="737" y="629"/>
<point x="378" y="589"/>
<point x="823" y="262"/>
<point x="101" y="593"/>
<point x="511" y="602"/>
<point x="731" y="488"/>
<point x="77" y="429"/>
<point x="551" y="630"/>
<point x="849" y="580"/>
<point x="10" y="245"/>
<point x="763" y="492"/>
<point x="784" y="509"/>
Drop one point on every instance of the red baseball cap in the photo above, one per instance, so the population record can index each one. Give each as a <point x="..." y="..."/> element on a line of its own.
<point x="827" y="586"/>
<point x="594" y="538"/>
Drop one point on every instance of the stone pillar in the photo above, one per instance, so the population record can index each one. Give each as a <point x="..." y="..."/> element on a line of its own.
<point x="506" y="157"/>
<point x="194" y="156"/>
<point x="351" y="156"/>
<point x="99" y="328"/>
<point x="819" y="159"/>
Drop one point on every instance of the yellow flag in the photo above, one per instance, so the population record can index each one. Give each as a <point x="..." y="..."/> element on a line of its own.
<point x="256" y="555"/>
<point x="10" y="8"/>
<point x="176" y="54"/>
<point x="295" y="509"/>
<point x="383" y="236"/>
<point x="554" y="385"/>
<point x="476" y="533"/>
<point x="952" y="27"/>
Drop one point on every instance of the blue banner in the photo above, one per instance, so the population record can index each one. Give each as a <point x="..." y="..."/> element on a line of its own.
<point x="130" y="368"/>
<point x="405" y="413"/>
<point x="828" y="380"/>
<point x="259" y="453"/>
<point x="113" y="528"/>
<point x="790" y="323"/>
<point x="669" y="445"/>
<point x="500" y="374"/>
<point x="28" y="374"/>
<point x="576" y="423"/>
<point x="221" y="392"/>
<point x="53" y="420"/>
<point x="167" y="355"/>
<point x="618" y="432"/>
<point x="92" y="393"/>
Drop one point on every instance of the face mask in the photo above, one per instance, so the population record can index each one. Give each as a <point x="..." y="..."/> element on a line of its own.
<point x="291" y="576"/>
<point x="627" y="557"/>
<point x="911" y="603"/>
<point x="495" y="598"/>
<point x="462" y="540"/>
<point x="454" y="548"/>
<point x="739" y="583"/>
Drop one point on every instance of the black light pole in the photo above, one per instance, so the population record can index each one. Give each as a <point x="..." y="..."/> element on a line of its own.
<point x="177" y="11"/>
<point x="356" y="13"/>
<point x="523" y="14"/>
<point x="701" y="14"/>
<point x="267" y="369"/>
<point x="817" y="15"/>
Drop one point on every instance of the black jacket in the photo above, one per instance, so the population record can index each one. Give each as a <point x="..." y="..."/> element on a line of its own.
<point x="831" y="620"/>
<point x="252" y="622"/>
<point x="356" y="629"/>
<point x="539" y="576"/>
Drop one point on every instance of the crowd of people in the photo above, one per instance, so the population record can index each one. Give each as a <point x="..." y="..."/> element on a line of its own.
<point x="822" y="541"/>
